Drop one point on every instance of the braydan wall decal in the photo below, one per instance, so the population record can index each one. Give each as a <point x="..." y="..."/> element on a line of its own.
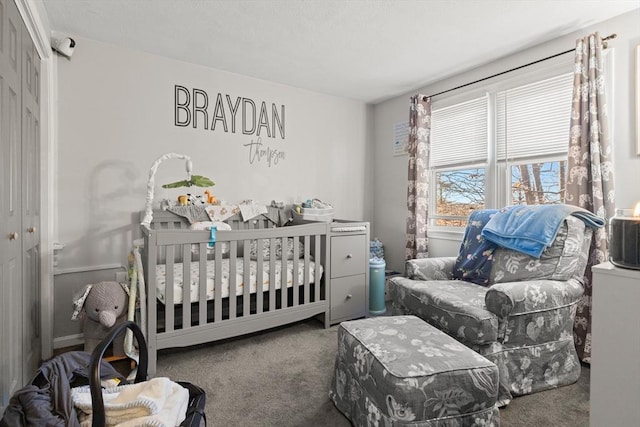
<point x="192" y="108"/>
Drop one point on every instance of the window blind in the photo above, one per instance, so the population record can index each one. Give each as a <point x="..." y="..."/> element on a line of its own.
<point x="459" y="133"/>
<point x="534" y="119"/>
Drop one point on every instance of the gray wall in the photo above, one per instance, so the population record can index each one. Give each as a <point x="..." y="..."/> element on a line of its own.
<point x="391" y="171"/>
<point x="116" y="116"/>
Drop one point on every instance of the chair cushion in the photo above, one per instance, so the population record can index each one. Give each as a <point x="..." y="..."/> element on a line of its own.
<point x="454" y="306"/>
<point x="560" y="261"/>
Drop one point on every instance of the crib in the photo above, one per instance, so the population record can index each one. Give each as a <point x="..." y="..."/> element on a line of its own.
<point x="197" y="294"/>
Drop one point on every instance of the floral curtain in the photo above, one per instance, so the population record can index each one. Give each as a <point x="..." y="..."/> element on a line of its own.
<point x="418" y="174"/>
<point x="590" y="167"/>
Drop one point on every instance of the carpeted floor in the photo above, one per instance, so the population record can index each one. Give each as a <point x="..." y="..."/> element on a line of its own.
<point x="281" y="378"/>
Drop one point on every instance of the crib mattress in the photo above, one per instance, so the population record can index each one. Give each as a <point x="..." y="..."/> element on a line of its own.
<point x="178" y="279"/>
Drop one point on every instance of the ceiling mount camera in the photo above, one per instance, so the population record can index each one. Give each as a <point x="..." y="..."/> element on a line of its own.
<point x="62" y="44"/>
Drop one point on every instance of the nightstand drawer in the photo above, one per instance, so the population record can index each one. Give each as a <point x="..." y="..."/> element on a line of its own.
<point x="348" y="299"/>
<point x="348" y="255"/>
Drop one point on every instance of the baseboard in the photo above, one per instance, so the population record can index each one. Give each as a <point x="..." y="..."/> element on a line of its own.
<point x="68" y="341"/>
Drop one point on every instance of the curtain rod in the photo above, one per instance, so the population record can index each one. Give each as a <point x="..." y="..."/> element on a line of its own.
<point x="604" y="45"/>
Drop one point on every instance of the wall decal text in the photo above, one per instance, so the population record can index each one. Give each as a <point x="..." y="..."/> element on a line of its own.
<point x="259" y="152"/>
<point x="228" y="114"/>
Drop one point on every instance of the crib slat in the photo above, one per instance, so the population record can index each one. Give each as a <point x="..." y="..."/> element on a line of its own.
<point x="186" y="286"/>
<point x="217" y="293"/>
<point x="202" y="285"/>
<point x="307" y="256"/>
<point x="233" y="258"/>
<point x="246" y="279"/>
<point x="272" y="274"/>
<point x="259" y="276"/>
<point x="317" y="272"/>
<point x="168" y="290"/>
<point x="294" y="274"/>
<point x="284" y="273"/>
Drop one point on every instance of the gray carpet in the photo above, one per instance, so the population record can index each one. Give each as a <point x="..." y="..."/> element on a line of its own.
<point x="281" y="378"/>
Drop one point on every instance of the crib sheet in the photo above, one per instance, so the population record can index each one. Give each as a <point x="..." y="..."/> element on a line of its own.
<point x="195" y="278"/>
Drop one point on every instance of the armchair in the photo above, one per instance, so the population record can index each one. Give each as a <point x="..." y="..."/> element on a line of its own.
<point x="521" y="317"/>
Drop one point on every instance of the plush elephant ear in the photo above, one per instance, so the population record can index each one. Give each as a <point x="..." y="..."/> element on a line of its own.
<point x="78" y="302"/>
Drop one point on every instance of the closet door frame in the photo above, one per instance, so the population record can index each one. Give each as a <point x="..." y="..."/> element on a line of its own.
<point x="34" y="18"/>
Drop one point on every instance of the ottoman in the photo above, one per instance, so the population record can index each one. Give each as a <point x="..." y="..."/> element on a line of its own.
<point x="401" y="371"/>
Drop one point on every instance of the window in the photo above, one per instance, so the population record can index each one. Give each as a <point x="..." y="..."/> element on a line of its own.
<point x="506" y="146"/>
<point x="459" y="152"/>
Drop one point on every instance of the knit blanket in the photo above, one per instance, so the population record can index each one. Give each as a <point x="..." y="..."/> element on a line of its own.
<point x="158" y="402"/>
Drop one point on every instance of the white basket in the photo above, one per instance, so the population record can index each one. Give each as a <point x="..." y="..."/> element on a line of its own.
<point x="314" y="214"/>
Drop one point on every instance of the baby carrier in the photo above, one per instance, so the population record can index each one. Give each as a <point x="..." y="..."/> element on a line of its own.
<point x="47" y="399"/>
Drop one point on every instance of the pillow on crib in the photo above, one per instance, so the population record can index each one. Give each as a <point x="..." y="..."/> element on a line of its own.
<point x="206" y="225"/>
<point x="266" y="246"/>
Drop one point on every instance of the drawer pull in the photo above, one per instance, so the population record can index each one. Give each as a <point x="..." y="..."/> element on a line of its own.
<point x="349" y="256"/>
<point x="349" y="296"/>
<point x="13" y="235"/>
<point x="31" y="229"/>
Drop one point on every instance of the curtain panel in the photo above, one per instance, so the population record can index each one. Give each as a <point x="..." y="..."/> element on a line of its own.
<point x="418" y="177"/>
<point x="590" y="167"/>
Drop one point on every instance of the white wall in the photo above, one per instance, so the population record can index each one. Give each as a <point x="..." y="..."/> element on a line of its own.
<point x="116" y="116"/>
<point x="391" y="172"/>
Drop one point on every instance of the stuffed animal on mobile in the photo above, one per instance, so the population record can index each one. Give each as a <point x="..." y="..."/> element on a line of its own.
<point x="103" y="306"/>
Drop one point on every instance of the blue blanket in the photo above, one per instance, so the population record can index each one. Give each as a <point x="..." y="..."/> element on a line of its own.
<point x="475" y="257"/>
<point x="530" y="229"/>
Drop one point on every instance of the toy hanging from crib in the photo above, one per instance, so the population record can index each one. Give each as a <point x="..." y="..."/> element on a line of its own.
<point x="192" y="180"/>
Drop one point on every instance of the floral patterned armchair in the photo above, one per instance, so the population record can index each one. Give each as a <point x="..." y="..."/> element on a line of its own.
<point x="521" y="317"/>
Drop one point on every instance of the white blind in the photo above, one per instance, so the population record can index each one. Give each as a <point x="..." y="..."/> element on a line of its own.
<point x="459" y="133"/>
<point x="534" y="119"/>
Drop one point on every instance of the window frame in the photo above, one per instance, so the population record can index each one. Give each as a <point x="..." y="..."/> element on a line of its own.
<point x="497" y="172"/>
<point x="433" y="217"/>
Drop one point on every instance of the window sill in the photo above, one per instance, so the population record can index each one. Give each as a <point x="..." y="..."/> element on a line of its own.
<point x="446" y="233"/>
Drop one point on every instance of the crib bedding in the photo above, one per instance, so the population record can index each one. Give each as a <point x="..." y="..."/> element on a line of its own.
<point x="226" y="274"/>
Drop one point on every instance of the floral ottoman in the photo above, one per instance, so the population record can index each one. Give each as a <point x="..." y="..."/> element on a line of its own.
<point x="401" y="371"/>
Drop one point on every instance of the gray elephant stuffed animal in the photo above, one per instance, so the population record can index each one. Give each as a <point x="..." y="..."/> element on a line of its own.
<point x="103" y="306"/>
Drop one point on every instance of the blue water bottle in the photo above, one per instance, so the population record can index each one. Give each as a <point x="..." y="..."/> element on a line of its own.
<point x="376" y="286"/>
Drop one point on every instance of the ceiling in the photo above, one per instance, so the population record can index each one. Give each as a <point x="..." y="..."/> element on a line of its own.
<point x="368" y="50"/>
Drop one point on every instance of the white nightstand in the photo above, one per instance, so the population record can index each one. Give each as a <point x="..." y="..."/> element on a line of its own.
<point x="615" y="347"/>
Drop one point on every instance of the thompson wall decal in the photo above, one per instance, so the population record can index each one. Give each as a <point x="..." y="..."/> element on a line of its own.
<point x="258" y="152"/>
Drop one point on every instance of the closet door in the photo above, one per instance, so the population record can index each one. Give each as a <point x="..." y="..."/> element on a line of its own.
<point x="30" y="193"/>
<point x="11" y="308"/>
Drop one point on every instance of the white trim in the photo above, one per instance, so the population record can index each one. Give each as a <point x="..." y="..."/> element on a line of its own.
<point x="37" y="29"/>
<point x="68" y="341"/>
<point x="446" y="233"/>
<point x="33" y="22"/>
<point x="71" y="270"/>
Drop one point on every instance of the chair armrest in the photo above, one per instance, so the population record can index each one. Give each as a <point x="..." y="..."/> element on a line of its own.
<point x="439" y="268"/>
<point x="509" y="298"/>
